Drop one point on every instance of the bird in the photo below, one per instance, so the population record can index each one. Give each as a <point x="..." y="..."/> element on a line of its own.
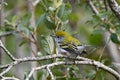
<point x="69" y="45"/>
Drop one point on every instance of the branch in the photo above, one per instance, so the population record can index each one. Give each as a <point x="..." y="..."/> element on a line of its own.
<point x="50" y="72"/>
<point x="5" y="71"/>
<point x="7" y="52"/>
<point x="29" y="59"/>
<point x="9" y="67"/>
<point x="4" y="66"/>
<point x="93" y="8"/>
<point x="94" y="63"/>
<point x="36" y="2"/>
<point x="1" y="22"/>
<point x="78" y="61"/>
<point x="114" y="7"/>
<point x="8" y="33"/>
<point x="1" y="13"/>
<point x="9" y="78"/>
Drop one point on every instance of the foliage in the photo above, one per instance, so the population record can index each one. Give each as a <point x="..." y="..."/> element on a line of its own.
<point x="53" y="15"/>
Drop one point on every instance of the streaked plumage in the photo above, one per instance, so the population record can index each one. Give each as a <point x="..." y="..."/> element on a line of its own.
<point x="69" y="44"/>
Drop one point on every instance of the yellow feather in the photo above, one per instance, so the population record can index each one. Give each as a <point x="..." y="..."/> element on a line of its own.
<point x="68" y="38"/>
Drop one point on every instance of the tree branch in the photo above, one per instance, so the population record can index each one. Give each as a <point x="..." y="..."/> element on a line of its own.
<point x="94" y="63"/>
<point x="36" y="2"/>
<point x="114" y="7"/>
<point x="79" y="60"/>
<point x="93" y="8"/>
<point x="7" y="52"/>
<point x="50" y="72"/>
<point x="9" y="78"/>
<point x="8" y="33"/>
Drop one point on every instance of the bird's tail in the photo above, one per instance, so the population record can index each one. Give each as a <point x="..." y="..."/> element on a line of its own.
<point x="89" y="49"/>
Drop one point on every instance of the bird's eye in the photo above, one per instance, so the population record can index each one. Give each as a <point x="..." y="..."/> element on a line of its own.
<point x="58" y="36"/>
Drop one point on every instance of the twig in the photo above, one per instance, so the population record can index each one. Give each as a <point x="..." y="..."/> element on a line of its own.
<point x="50" y="72"/>
<point x="4" y="66"/>
<point x="92" y="7"/>
<point x="9" y="67"/>
<point x="10" y="78"/>
<point x="8" y="33"/>
<point x="5" y="71"/>
<point x="7" y="52"/>
<point x="106" y="5"/>
<point x="36" y="2"/>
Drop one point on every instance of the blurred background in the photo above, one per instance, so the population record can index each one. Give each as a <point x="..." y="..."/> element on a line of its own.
<point x="31" y="23"/>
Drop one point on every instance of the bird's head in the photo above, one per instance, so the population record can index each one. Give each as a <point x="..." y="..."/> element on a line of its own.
<point x="60" y="35"/>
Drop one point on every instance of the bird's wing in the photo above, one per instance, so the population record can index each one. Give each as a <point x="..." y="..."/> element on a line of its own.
<point x="70" y="47"/>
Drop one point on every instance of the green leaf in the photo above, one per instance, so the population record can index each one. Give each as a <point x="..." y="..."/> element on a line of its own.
<point x="24" y="29"/>
<point x="26" y="19"/>
<point x="7" y="22"/>
<point x="14" y="19"/>
<point x="98" y="31"/>
<point x="49" y="23"/>
<point x="97" y="17"/>
<point x="91" y="74"/>
<point x="117" y="29"/>
<point x="96" y="37"/>
<point x="68" y="8"/>
<point x="23" y="42"/>
<point x="40" y="20"/>
<point x="61" y="10"/>
<point x="67" y="12"/>
<point x="30" y="28"/>
<point x="1" y="32"/>
<point x="114" y="38"/>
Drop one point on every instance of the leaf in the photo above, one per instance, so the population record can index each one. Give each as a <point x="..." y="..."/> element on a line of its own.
<point x="7" y="22"/>
<point x="91" y="74"/>
<point x="23" y="42"/>
<point x="61" y="10"/>
<point x="14" y="19"/>
<point x="97" y="31"/>
<point x="24" y="29"/>
<point x="97" y="17"/>
<point x="96" y="37"/>
<point x="114" y="38"/>
<point x="67" y="12"/>
<point x="117" y="29"/>
<point x="49" y="23"/>
<point x="1" y="32"/>
<point x="68" y="8"/>
<point x="40" y="20"/>
<point x="26" y="19"/>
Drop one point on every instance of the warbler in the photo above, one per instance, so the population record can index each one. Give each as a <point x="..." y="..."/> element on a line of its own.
<point x="69" y="45"/>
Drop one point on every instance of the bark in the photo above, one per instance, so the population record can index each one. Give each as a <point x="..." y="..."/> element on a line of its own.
<point x="114" y="7"/>
<point x="1" y="23"/>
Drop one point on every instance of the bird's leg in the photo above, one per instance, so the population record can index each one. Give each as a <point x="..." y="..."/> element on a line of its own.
<point x="75" y="59"/>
